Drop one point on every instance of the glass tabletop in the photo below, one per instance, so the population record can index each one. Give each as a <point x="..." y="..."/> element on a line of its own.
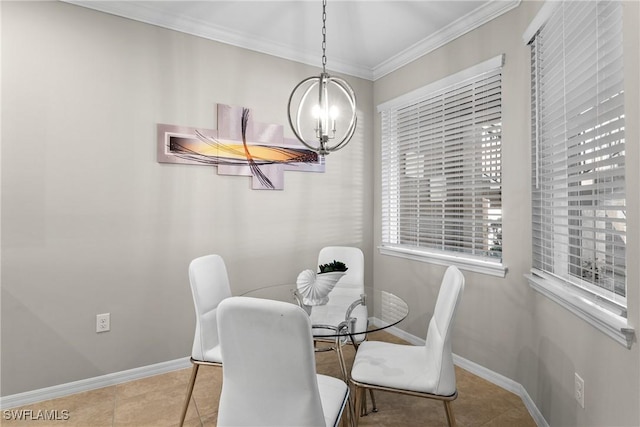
<point x="346" y="313"/>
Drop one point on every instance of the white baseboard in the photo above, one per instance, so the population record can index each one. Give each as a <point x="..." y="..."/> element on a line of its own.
<point x="54" y="392"/>
<point x="484" y="373"/>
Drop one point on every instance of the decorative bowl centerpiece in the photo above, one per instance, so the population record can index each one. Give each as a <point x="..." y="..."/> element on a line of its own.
<point x="315" y="287"/>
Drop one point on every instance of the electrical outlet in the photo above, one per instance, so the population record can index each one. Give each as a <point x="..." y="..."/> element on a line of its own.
<point x="103" y="322"/>
<point x="579" y="390"/>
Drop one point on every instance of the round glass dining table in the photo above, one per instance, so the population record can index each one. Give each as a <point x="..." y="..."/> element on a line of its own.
<point x="347" y="312"/>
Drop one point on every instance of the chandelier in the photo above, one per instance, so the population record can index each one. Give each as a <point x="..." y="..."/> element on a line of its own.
<point x="325" y="122"/>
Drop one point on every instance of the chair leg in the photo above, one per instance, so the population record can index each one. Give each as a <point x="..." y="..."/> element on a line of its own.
<point x="451" y="420"/>
<point x="358" y="402"/>
<point x="192" y="381"/>
<point x="346" y="420"/>
<point x="351" y="407"/>
<point x="374" y="408"/>
<point x="343" y="365"/>
<point x="373" y="401"/>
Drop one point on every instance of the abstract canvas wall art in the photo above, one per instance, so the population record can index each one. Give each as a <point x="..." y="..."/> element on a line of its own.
<point x="240" y="146"/>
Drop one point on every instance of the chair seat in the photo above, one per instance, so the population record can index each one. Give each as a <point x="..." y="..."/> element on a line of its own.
<point x="396" y="366"/>
<point x="334" y="394"/>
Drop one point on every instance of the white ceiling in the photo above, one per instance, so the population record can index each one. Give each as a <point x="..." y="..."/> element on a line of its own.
<point x="365" y="38"/>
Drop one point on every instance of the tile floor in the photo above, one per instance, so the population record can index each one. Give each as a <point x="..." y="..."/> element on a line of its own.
<point x="157" y="401"/>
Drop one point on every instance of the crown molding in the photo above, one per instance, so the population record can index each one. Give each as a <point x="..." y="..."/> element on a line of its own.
<point x="148" y="13"/>
<point x="456" y="29"/>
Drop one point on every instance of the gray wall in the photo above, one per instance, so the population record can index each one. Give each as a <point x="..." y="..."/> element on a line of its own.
<point x="502" y="324"/>
<point x="91" y="223"/>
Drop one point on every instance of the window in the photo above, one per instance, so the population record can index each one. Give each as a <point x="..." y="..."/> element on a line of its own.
<point x="441" y="171"/>
<point x="578" y="159"/>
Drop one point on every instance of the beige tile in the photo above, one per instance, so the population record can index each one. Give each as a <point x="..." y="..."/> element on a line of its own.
<point x="210" y="421"/>
<point x="515" y="417"/>
<point x="159" y="407"/>
<point x="98" y="415"/>
<point x="144" y="385"/>
<point x="479" y="401"/>
<point x="472" y="384"/>
<point x="396" y="410"/>
<point x="471" y="410"/>
<point x="189" y="422"/>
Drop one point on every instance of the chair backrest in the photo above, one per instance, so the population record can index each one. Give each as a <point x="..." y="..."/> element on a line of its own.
<point x="353" y="258"/>
<point x="209" y="286"/>
<point x="269" y="373"/>
<point x="438" y="342"/>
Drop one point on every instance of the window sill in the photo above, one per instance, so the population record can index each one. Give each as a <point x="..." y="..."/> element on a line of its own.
<point x="609" y="323"/>
<point x="464" y="263"/>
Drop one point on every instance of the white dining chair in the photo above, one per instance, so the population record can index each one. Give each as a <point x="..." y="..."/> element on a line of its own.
<point x="349" y="288"/>
<point x="353" y="258"/>
<point x="209" y="286"/>
<point x="424" y="371"/>
<point x="269" y="374"/>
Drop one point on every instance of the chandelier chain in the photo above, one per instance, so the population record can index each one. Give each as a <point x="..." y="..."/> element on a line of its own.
<point x="324" y="35"/>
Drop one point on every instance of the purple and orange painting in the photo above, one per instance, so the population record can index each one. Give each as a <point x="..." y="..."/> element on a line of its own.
<point x="240" y="146"/>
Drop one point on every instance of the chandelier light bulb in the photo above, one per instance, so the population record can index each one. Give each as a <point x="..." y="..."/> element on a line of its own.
<point x="315" y="112"/>
<point x="334" y="113"/>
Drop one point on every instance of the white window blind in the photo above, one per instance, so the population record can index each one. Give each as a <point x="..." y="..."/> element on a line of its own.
<point x="441" y="166"/>
<point x="579" y="212"/>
